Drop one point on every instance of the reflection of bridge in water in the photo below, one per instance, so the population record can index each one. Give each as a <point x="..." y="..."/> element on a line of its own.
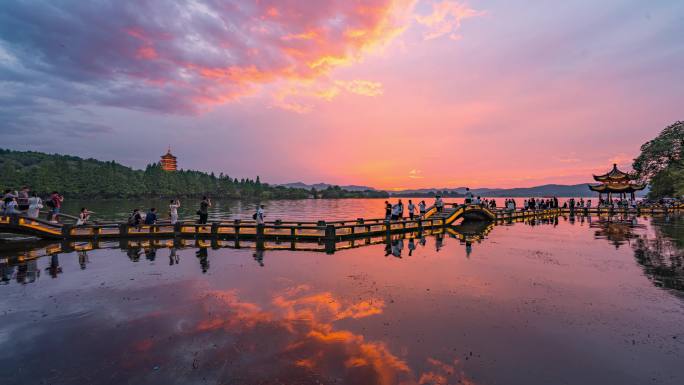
<point x="661" y="258"/>
<point x="19" y="260"/>
<point x="279" y="231"/>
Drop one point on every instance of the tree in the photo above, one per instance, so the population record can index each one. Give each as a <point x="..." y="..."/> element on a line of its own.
<point x="660" y="153"/>
<point x="661" y="162"/>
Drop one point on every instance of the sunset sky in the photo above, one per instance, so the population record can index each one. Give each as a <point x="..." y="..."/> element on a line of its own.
<point x="387" y="93"/>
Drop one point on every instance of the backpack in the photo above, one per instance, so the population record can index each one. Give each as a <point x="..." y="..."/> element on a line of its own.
<point x="131" y="219"/>
<point x="254" y="216"/>
<point x="50" y="203"/>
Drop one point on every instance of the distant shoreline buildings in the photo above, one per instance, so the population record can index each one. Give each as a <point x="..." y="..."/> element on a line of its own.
<point x="168" y="161"/>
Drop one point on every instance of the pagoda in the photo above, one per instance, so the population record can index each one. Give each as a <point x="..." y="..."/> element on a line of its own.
<point x="168" y="161"/>
<point x="616" y="182"/>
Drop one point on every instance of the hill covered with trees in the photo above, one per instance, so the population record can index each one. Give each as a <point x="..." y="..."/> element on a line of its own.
<point x="661" y="163"/>
<point x="91" y="178"/>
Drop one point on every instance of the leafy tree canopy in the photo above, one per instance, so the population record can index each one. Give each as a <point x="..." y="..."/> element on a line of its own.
<point x="661" y="162"/>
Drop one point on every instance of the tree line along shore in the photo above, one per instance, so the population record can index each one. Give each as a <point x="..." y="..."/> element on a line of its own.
<point x="95" y="179"/>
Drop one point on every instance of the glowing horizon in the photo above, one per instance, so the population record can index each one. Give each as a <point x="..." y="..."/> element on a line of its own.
<point x="393" y="94"/>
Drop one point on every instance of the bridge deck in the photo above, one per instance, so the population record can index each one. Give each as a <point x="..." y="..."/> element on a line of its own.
<point x="298" y="230"/>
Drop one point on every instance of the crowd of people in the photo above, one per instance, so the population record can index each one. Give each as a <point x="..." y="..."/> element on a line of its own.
<point x="395" y="211"/>
<point x="26" y="202"/>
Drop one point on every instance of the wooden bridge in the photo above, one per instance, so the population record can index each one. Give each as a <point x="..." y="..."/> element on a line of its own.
<point x="295" y="230"/>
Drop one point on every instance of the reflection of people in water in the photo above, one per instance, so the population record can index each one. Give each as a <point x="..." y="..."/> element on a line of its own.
<point x="397" y="247"/>
<point x="411" y="246"/>
<point x="54" y="267"/>
<point x="422" y="241"/>
<point x="203" y="256"/>
<point x="439" y="241"/>
<point x="6" y="272"/>
<point x="469" y="248"/>
<point x="259" y="257"/>
<point x="151" y="254"/>
<point x="133" y="254"/>
<point x="28" y="272"/>
<point x="388" y="247"/>
<point x="173" y="256"/>
<point x="83" y="259"/>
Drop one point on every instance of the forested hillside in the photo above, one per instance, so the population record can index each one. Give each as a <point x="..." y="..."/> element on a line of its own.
<point x="92" y="178"/>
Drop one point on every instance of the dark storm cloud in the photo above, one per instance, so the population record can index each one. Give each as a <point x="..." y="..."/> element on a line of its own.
<point x="176" y="56"/>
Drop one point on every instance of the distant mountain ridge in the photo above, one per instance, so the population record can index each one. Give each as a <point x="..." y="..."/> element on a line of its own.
<point x="559" y="190"/>
<point x="323" y="186"/>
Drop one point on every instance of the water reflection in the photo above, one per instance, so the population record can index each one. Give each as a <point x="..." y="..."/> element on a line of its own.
<point x="136" y="249"/>
<point x="661" y="253"/>
<point x="658" y="245"/>
<point x="408" y="309"/>
<point x="618" y="230"/>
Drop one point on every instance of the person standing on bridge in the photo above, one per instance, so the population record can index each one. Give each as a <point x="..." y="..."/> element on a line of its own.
<point x="56" y="199"/>
<point x="203" y="211"/>
<point x="388" y="211"/>
<point x="260" y="215"/>
<point x="468" y="196"/>
<point x="439" y="204"/>
<point x="173" y="210"/>
<point x="400" y="209"/>
<point x="135" y="218"/>
<point x="11" y="206"/>
<point x="422" y="208"/>
<point x="411" y="209"/>
<point x="35" y="204"/>
<point x="23" y="199"/>
<point x="83" y="217"/>
<point x="395" y="212"/>
<point x="151" y="216"/>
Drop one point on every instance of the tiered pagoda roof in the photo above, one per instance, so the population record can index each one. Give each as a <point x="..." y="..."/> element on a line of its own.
<point x="616" y="181"/>
<point x="168" y="161"/>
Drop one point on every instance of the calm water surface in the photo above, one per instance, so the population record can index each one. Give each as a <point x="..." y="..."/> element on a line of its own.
<point x="566" y="301"/>
<point x="302" y="209"/>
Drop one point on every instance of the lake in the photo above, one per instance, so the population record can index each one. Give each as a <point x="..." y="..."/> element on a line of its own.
<point x="567" y="300"/>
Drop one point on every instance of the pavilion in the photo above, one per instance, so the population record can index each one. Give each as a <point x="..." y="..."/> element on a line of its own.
<point x="616" y="182"/>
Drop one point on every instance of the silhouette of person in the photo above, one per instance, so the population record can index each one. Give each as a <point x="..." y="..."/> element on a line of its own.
<point x="439" y="241"/>
<point x="173" y="257"/>
<point x="259" y="256"/>
<point x="83" y="259"/>
<point x="54" y="267"/>
<point x="133" y="254"/>
<point x="151" y="254"/>
<point x="203" y="256"/>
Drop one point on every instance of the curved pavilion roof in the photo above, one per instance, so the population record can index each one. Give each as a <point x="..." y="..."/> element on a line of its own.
<point x="613" y="175"/>
<point x="619" y="188"/>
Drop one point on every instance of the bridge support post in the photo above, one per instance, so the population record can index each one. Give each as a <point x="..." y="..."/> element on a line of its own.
<point x="330" y="235"/>
<point x="66" y="230"/>
<point x="214" y="229"/>
<point x="123" y="230"/>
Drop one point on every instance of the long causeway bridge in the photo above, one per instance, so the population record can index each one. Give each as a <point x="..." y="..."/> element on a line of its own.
<point x="303" y="231"/>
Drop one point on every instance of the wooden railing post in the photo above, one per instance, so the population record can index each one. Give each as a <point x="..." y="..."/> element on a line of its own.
<point x="66" y="230"/>
<point x="330" y="239"/>
<point x="177" y="227"/>
<point x="330" y="232"/>
<point x="214" y="229"/>
<point x="236" y="223"/>
<point x="123" y="230"/>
